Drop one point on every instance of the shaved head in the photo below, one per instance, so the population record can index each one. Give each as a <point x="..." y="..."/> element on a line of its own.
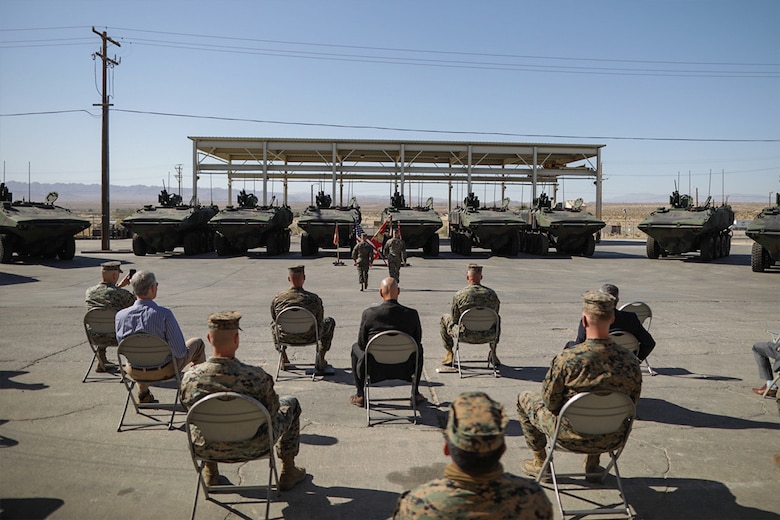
<point x="389" y="289"/>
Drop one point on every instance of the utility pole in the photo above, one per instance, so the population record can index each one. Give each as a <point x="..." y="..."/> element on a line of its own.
<point x="178" y="176"/>
<point x="105" y="222"/>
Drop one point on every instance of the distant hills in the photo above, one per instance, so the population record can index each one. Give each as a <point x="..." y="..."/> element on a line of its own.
<point x="74" y="195"/>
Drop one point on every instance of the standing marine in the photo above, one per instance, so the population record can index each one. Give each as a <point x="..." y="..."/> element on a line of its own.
<point x="395" y="254"/>
<point x="363" y="256"/>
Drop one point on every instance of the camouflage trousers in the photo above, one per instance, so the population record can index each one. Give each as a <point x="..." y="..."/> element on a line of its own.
<point x="326" y="336"/>
<point x="538" y="422"/>
<point x="363" y="274"/>
<point x="394" y="266"/>
<point x="449" y="330"/>
<point x="286" y="433"/>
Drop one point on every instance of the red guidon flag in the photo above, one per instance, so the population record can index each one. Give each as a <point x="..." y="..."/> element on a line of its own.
<point x="336" y="236"/>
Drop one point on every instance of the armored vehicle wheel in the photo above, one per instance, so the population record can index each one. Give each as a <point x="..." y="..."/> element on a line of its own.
<point x="221" y="245"/>
<point x="590" y="246"/>
<point x="653" y="249"/>
<point x="454" y="243"/>
<point x="6" y="249"/>
<point x="139" y="245"/>
<point x="432" y="246"/>
<point x="544" y="245"/>
<point x="191" y="244"/>
<point x="272" y="245"/>
<point x="728" y="245"/>
<point x="306" y="245"/>
<point x="68" y="250"/>
<point x="514" y="245"/>
<point x="285" y="241"/>
<point x="758" y="258"/>
<point x="465" y="245"/>
<point x="707" y="247"/>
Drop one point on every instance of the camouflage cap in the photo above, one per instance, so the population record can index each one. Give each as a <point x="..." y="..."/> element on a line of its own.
<point x="476" y="423"/>
<point x="225" y="320"/>
<point x="598" y="303"/>
<point x="294" y="269"/>
<point x="610" y="289"/>
<point x="111" y="266"/>
<point x="475" y="268"/>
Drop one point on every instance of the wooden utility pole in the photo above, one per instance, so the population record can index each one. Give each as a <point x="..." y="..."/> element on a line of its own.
<point x="105" y="221"/>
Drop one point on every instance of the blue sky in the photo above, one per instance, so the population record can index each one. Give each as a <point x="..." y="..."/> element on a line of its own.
<point x="668" y="86"/>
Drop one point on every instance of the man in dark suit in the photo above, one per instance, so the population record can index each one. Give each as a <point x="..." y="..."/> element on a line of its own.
<point x="625" y="321"/>
<point x="389" y="315"/>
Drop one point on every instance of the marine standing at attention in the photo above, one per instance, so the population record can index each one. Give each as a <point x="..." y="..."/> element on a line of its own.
<point x="108" y="295"/>
<point x="297" y="296"/>
<point x="475" y="484"/>
<point x="363" y="255"/>
<point x="473" y="295"/>
<point x="395" y="253"/>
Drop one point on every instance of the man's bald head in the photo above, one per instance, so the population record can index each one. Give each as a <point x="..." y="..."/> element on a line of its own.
<point x="388" y="289"/>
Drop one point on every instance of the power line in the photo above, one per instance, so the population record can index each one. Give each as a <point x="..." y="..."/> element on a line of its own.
<point x="400" y="129"/>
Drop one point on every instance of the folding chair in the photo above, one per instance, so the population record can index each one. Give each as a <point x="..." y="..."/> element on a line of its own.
<point x="151" y="353"/>
<point x="625" y="339"/>
<point x="99" y="326"/>
<point x="477" y="319"/>
<point x="592" y="413"/>
<point x="295" y="320"/>
<point x="391" y="347"/>
<point x="776" y="340"/>
<point x="645" y="315"/>
<point x="230" y="417"/>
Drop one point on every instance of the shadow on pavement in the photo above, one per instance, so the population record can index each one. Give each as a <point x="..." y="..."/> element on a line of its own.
<point x="28" y="508"/>
<point x="660" y="411"/>
<point x="6" y="382"/>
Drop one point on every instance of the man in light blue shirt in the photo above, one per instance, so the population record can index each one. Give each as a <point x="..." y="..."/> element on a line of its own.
<point x="146" y="316"/>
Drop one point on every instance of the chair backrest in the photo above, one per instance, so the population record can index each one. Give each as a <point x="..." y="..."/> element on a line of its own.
<point x="597" y="413"/>
<point x="391" y="347"/>
<point x="642" y="311"/>
<point x="625" y="339"/>
<point x="775" y="336"/>
<point x="100" y="322"/>
<point x="228" y="417"/>
<point x="296" y="320"/>
<point x="478" y="319"/>
<point x="144" y="350"/>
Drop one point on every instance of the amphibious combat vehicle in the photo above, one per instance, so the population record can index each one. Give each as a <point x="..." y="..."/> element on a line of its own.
<point x="569" y="230"/>
<point x="238" y="229"/>
<point x="319" y="225"/>
<point x="37" y="229"/>
<point x="171" y="224"/>
<point x="683" y="228"/>
<point x="765" y="231"/>
<point x="494" y="228"/>
<point x="418" y="225"/>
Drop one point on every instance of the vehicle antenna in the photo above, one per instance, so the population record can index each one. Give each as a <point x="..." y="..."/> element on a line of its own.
<point x="709" y="185"/>
<point x="29" y="197"/>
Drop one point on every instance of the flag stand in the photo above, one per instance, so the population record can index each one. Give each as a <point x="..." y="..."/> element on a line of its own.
<point x="336" y="243"/>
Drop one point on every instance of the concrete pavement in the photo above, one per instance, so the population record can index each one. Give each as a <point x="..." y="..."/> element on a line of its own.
<point x="701" y="448"/>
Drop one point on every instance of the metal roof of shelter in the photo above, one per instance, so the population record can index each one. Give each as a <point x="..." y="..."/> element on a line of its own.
<point x="398" y="161"/>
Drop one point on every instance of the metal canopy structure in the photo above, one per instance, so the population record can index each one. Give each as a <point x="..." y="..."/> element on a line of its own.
<point x="397" y="161"/>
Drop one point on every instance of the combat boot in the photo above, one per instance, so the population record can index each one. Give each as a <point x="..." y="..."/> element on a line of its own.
<point x="533" y="466"/>
<point x="447" y="359"/>
<point x="291" y="474"/>
<point x="319" y="363"/>
<point x="210" y="474"/>
<point x="285" y="363"/>
<point x="104" y="365"/>
<point x="592" y="466"/>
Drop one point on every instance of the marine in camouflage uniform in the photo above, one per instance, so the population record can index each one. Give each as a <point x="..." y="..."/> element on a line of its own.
<point x="298" y="296"/>
<point x="475" y="438"/>
<point x="224" y="373"/>
<point x="363" y="256"/>
<point x="395" y="253"/>
<point x="473" y="295"/>
<point x="595" y="364"/>
<point x="106" y="295"/>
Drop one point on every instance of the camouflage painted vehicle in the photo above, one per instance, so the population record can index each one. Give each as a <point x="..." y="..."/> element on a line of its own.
<point x="569" y="230"/>
<point x="38" y="229"/>
<point x="319" y="224"/>
<point x="494" y="228"/>
<point x="238" y="229"/>
<point x="684" y="228"/>
<point x="418" y="225"/>
<point x="172" y="224"/>
<point x="765" y="230"/>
